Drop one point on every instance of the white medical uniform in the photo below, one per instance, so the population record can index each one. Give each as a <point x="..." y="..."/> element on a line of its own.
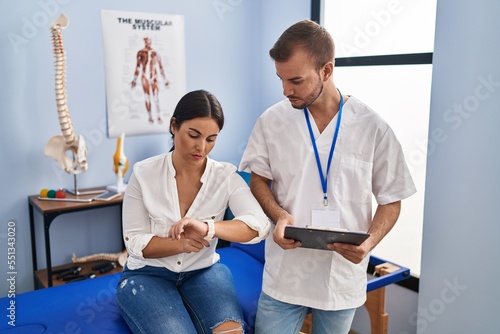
<point x="367" y="159"/>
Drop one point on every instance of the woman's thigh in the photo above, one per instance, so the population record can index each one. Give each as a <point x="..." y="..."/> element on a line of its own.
<point x="210" y="297"/>
<point x="152" y="304"/>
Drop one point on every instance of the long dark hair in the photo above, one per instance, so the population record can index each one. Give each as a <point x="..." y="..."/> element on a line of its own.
<point x="197" y="104"/>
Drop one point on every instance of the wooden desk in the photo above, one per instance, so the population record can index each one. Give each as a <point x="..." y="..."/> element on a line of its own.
<point x="49" y="211"/>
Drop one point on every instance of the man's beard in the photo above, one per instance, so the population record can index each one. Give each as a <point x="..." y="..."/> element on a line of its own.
<point x="311" y="98"/>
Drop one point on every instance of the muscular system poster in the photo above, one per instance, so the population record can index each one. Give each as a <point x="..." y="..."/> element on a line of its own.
<point x="144" y="58"/>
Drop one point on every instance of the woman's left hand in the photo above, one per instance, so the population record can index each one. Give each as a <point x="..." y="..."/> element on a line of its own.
<point x="188" y="228"/>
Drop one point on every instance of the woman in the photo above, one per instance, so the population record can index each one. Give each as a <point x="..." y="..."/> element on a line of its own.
<point x="172" y="216"/>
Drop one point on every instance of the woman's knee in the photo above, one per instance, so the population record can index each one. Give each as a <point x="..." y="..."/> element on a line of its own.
<point x="229" y="327"/>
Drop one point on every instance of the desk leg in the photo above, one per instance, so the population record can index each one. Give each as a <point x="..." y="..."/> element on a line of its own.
<point x="47" y="220"/>
<point x="121" y="224"/>
<point x="33" y="242"/>
<point x="375" y="304"/>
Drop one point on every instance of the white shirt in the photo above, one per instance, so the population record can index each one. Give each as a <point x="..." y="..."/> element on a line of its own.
<point x="367" y="159"/>
<point x="151" y="207"/>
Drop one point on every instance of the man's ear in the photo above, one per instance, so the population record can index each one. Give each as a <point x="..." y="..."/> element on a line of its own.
<point x="327" y="71"/>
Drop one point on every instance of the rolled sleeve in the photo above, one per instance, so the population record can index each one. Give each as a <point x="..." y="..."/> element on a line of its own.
<point x="136" y="228"/>
<point x="245" y="207"/>
<point x="257" y="221"/>
<point x="135" y="244"/>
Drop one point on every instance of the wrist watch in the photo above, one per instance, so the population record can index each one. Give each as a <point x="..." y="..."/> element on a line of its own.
<point x="211" y="230"/>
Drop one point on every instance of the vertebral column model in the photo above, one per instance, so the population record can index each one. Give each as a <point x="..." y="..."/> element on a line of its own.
<point x="58" y="145"/>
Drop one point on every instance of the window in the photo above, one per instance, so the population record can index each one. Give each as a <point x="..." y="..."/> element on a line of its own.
<point x="384" y="58"/>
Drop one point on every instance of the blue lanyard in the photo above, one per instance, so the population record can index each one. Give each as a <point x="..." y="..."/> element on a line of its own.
<point x="324" y="179"/>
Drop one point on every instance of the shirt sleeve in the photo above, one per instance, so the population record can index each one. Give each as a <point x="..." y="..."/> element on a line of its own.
<point x="136" y="225"/>
<point x="245" y="207"/>
<point x="392" y="180"/>
<point x="256" y="156"/>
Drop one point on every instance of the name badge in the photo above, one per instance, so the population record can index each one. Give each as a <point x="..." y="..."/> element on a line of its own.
<point x="325" y="216"/>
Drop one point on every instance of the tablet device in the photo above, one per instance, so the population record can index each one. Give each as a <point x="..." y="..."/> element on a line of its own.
<point x="318" y="238"/>
<point x="107" y="196"/>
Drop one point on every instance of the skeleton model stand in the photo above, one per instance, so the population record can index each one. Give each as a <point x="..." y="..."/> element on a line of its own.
<point x="58" y="145"/>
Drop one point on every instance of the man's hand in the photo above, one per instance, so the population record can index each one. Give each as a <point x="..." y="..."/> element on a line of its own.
<point x="279" y="233"/>
<point x="352" y="253"/>
<point x="384" y="219"/>
<point x="262" y="192"/>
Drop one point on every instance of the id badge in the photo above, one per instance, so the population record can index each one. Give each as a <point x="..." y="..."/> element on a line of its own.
<point x="325" y="216"/>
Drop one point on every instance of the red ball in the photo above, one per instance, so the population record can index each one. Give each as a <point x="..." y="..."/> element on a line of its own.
<point x="60" y="194"/>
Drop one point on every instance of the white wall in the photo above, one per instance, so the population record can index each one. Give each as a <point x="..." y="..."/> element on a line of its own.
<point x="277" y="15"/>
<point x="459" y="279"/>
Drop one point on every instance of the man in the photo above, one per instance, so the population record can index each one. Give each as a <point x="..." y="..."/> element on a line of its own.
<point x="149" y="63"/>
<point x="316" y="158"/>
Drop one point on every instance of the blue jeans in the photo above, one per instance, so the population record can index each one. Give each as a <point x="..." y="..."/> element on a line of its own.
<point x="275" y="317"/>
<point x="156" y="300"/>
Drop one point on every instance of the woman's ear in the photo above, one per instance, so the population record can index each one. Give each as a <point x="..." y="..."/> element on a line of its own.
<point x="172" y="125"/>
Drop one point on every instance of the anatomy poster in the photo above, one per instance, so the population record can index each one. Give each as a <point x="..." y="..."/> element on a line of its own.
<point x="144" y="58"/>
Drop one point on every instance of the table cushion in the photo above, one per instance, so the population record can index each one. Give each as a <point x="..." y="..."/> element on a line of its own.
<point x="247" y="275"/>
<point x="81" y="307"/>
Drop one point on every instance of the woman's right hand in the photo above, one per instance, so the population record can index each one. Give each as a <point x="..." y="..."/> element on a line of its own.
<point x="189" y="228"/>
<point x="193" y="245"/>
<point x="190" y="232"/>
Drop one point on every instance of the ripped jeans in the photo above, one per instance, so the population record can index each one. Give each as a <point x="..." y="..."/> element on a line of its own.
<point x="156" y="300"/>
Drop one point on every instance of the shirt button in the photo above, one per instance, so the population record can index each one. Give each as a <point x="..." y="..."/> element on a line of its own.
<point x="179" y="263"/>
<point x="126" y="238"/>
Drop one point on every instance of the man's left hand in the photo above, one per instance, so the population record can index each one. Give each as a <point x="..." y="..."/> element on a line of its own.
<point x="352" y="253"/>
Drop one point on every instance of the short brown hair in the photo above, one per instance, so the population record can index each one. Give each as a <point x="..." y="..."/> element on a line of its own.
<point x="308" y="35"/>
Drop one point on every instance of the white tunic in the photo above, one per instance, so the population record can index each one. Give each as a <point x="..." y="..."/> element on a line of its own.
<point x="367" y="159"/>
<point x="151" y="207"/>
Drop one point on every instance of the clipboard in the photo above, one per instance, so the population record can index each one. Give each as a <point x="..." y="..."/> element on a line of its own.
<point x="318" y="238"/>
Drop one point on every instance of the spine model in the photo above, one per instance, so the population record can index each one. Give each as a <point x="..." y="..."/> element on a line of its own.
<point x="58" y="145"/>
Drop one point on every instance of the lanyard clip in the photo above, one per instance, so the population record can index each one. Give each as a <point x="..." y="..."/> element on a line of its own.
<point x="325" y="199"/>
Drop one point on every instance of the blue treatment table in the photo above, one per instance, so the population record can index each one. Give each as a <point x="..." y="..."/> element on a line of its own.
<point x="89" y="306"/>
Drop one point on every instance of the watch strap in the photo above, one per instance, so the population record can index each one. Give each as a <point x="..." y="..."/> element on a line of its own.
<point x="211" y="229"/>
